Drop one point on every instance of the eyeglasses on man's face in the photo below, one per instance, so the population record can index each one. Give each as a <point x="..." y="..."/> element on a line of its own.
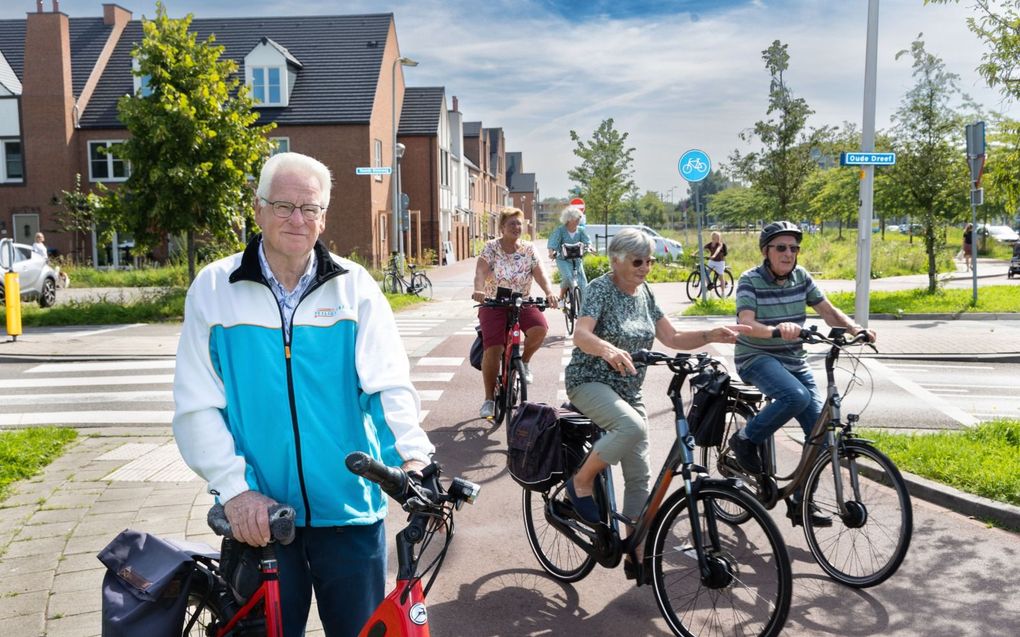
<point x="637" y="263"/>
<point x="284" y="209"/>
<point x="783" y="247"/>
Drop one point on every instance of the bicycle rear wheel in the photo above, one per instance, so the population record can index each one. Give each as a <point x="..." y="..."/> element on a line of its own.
<point x="694" y="286"/>
<point x="206" y="605"/>
<point x="865" y="546"/>
<point x="392" y="284"/>
<point x="421" y="285"/>
<point x="558" y="555"/>
<point x="712" y="458"/>
<point x="717" y="283"/>
<point x="750" y="586"/>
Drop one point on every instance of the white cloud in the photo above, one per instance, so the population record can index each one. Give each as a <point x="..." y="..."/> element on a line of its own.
<point x="672" y="82"/>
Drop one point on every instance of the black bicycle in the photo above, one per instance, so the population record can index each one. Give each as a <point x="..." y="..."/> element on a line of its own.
<point x="711" y="576"/>
<point x="572" y="252"/>
<point x="855" y="510"/>
<point x="417" y="284"/>
<point x="721" y="284"/>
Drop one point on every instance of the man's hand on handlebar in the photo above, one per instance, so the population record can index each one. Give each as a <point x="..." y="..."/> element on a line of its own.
<point x="248" y="515"/>
<point x="872" y="335"/>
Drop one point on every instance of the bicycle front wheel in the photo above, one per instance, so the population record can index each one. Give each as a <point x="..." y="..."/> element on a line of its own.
<point x="713" y="459"/>
<point x="392" y="284"/>
<point x="865" y="545"/>
<point x="517" y="389"/>
<point x="570" y="307"/>
<point x="694" y="286"/>
<point x="749" y="587"/>
<point x="422" y="286"/>
<point x="557" y="553"/>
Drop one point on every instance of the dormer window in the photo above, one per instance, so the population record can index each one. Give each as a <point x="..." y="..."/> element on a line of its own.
<point x="141" y="82"/>
<point x="270" y="73"/>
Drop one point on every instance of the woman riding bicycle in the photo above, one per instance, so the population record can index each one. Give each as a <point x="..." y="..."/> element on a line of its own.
<point x="508" y="262"/>
<point x="620" y="315"/>
<point x="569" y="232"/>
<point x="772" y="300"/>
<point x="715" y="251"/>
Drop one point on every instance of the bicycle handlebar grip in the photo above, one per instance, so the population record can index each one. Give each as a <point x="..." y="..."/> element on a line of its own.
<point x="642" y="356"/>
<point x="281" y="522"/>
<point x="392" y="480"/>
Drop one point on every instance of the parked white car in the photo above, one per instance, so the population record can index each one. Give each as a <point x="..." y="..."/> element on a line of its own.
<point x="38" y="281"/>
<point x="1002" y="234"/>
<point x="665" y="248"/>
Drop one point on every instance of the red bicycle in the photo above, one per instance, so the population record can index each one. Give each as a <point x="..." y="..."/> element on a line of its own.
<point x="213" y="607"/>
<point x="511" y="388"/>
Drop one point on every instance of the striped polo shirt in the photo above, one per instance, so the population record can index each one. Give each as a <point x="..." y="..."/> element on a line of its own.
<point x="774" y="303"/>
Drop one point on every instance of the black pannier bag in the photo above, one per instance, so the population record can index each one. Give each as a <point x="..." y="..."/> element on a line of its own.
<point x="475" y="356"/>
<point x="145" y="589"/>
<point x="707" y="415"/>
<point x="535" y="453"/>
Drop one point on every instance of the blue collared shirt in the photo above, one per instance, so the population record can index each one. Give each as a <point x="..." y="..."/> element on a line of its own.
<point x="287" y="301"/>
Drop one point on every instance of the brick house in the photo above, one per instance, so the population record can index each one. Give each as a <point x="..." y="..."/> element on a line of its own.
<point x="324" y="80"/>
<point x="485" y="150"/>
<point x="523" y="189"/>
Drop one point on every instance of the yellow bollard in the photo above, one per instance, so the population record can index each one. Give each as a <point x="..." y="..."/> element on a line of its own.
<point x="12" y="299"/>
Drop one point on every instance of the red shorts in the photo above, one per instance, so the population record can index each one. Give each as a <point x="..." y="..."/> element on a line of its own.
<point x="493" y="322"/>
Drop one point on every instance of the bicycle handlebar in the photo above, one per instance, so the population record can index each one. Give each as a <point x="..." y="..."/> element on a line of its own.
<point x="538" y="302"/>
<point x="281" y="522"/>
<point x="392" y="480"/>
<point x="679" y="362"/>
<point x="410" y="493"/>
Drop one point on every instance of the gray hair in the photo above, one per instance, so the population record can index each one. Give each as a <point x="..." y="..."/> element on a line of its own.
<point x="630" y="242"/>
<point x="570" y="213"/>
<point x="297" y="163"/>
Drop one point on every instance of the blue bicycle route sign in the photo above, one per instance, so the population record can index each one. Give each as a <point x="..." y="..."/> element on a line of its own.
<point x="694" y="165"/>
<point x="373" y="170"/>
<point x="867" y="159"/>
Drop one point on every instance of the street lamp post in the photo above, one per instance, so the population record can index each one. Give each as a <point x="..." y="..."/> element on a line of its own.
<point x="394" y="177"/>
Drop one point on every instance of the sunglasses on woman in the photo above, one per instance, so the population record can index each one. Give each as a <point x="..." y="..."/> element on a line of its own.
<point x="782" y="247"/>
<point x="637" y="263"/>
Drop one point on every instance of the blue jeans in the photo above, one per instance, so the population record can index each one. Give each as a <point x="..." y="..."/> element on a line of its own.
<point x="347" y="567"/>
<point x="567" y="275"/>
<point x="793" y="394"/>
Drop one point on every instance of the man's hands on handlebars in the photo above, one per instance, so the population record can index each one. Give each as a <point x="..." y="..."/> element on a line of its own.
<point x="793" y="332"/>
<point x="248" y="515"/>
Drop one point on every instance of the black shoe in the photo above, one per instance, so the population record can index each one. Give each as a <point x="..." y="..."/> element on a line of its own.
<point x="584" y="506"/>
<point x="818" y="519"/>
<point x="746" y="453"/>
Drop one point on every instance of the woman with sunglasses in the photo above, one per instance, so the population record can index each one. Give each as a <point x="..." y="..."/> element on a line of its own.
<point x="772" y="300"/>
<point x="619" y="316"/>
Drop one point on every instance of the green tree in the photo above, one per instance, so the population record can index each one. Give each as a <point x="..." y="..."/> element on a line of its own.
<point x="927" y="134"/>
<point x="737" y="205"/>
<point x="604" y="176"/>
<point x="1001" y="179"/>
<point x="193" y="141"/>
<point x="79" y="213"/>
<point x="997" y="25"/>
<point x="779" y="169"/>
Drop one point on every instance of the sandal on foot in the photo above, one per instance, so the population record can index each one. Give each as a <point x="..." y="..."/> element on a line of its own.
<point x="584" y="506"/>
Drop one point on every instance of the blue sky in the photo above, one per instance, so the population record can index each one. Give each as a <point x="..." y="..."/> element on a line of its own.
<point x="674" y="74"/>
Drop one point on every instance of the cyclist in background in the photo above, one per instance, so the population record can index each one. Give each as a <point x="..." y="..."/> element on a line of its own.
<point x="508" y="262"/>
<point x="772" y="299"/>
<point x="569" y="232"/>
<point x="715" y="251"/>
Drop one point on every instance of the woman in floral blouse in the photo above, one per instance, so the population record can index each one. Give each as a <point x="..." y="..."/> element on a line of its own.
<point x="620" y="316"/>
<point x="508" y="262"/>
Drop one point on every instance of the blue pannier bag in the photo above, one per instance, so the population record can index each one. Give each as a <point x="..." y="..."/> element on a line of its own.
<point x="145" y="589"/>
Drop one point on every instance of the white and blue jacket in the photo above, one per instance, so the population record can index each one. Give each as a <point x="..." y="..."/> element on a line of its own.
<point x="258" y="408"/>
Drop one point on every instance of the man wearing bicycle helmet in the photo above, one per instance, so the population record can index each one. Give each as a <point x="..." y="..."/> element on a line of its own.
<point x="772" y="300"/>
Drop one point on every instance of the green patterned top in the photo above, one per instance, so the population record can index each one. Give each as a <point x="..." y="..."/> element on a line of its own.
<point x="627" y="322"/>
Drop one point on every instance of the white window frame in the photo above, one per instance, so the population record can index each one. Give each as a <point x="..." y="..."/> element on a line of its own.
<point x="110" y="159"/>
<point x="282" y="145"/>
<point x="4" y="178"/>
<point x="264" y="70"/>
<point x="377" y="150"/>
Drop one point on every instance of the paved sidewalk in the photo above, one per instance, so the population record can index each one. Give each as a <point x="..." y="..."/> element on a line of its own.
<point x="113" y="478"/>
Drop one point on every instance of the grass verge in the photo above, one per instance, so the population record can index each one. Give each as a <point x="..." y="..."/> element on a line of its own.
<point x="992" y="298"/>
<point x="25" y="452"/>
<point x="983" y="460"/>
<point x="165" y="305"/>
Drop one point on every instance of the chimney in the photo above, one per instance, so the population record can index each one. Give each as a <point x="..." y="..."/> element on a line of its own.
<point x="56" y="6"/>
<point x="115" y="16"/>
<point x="454" y="102"/>
<point x="38" y="6"/>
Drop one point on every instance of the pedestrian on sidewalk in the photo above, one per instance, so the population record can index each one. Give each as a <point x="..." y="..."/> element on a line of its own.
<point x="968" y="241"/>
<point x="289" y="359"/>
<point x="508" y="262"/>
<point x="39" y="247"/>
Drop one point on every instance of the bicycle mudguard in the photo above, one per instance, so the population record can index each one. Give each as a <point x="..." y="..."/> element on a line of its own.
<point x="395" y="617"/>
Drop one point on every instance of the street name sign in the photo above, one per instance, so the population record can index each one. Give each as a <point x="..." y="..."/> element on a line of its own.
<point x="373" y="170"/>
<point x="867" y="159"/>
